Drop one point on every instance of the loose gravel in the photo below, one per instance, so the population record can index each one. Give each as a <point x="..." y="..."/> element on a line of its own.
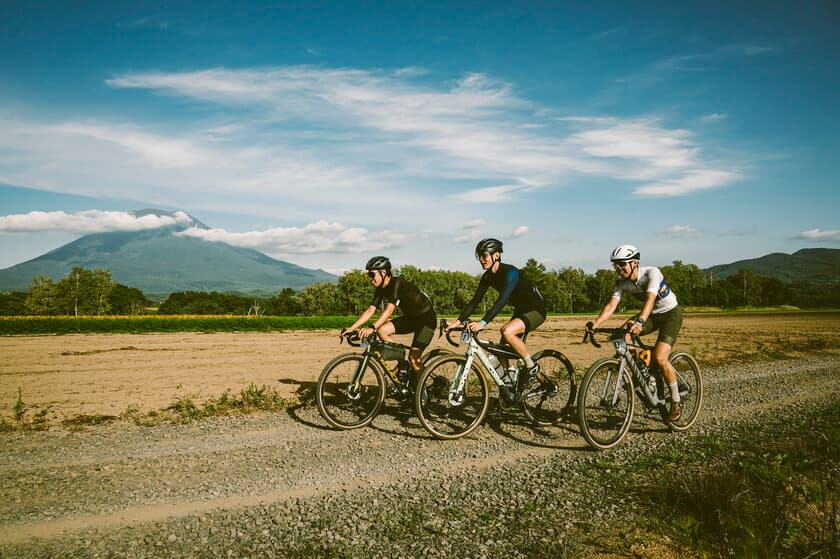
<point x="286" y="485"/>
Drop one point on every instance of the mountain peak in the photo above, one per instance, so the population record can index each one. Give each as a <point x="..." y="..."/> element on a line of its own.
<point x="183" y="220"/>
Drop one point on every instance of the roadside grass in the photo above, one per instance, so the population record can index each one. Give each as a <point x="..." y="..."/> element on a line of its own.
<point x="250" y="399"/>
<point x="746" y="493"/>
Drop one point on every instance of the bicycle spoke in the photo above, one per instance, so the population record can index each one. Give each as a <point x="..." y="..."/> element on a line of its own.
<point x="553" y="393"/>
<point x="448" y="405"/>
<point x="345" y="398"/>
<point x="605" y="404"/>
<point x="690" y="383"/>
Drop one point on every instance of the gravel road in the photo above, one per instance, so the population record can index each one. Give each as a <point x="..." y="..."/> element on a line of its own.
<point x="282" y="485"/>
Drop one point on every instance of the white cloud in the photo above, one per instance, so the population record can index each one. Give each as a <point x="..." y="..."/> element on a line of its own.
<point x="831" y="235"/>
<point x="519" y="231"/>
<point x="90" y="221"/>
<point x="318" y="237"/>
<point x="690" y="182"/>
<point x="680" y="229"/>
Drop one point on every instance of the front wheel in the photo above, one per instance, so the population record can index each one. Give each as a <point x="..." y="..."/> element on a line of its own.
<point x="605" y="403"/>
<point x="347" y="395"/>
<point x="690" y="382"/>
<point x="553" y="393"/>
<point x="450" y="400"/>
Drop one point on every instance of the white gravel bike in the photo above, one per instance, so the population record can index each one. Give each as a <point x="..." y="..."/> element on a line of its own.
<point x="610" y="387"/>
<point x="453" y="394"/>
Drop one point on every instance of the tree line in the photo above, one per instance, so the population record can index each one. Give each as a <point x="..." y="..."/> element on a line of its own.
<point x="567" y="290"/>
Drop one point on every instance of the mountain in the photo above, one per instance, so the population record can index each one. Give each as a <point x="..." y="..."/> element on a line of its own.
<point x="159" y="262"/>
<point x="814" y="266"/>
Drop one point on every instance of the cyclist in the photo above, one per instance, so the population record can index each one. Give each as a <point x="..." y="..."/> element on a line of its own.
<point x="660" y="311"/>
<point x="529" y="308"/>
<point x="418" y="316"/>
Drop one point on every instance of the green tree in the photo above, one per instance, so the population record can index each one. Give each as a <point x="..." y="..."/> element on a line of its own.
<point x="128" y="300"/>
<point x="354" y="293"/>
<point x="286" y="303"/>
<point x="42" y="297"/>
<point x="599" y="288"/>
<point x="85" y="292"/>
<point x="573" y="289"/>
<point x="320" y="298"/>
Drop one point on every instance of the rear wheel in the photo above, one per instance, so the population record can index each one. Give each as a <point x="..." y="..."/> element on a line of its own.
<point x="605" y="404"/>
<point x="553" y="393"/>
<point x="690" y="382"/>
<point x="348" y="401"/>
<point x="449" y="405"/>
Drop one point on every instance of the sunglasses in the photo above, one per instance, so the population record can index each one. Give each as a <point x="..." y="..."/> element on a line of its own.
<point x="620" y="265"/>
<point x="372" y="274"/>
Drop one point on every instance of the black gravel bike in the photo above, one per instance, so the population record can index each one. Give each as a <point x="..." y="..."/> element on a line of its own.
<point x="352" y="387"/>
<point x="453" y="393"/>
<point x="611" y="385"/>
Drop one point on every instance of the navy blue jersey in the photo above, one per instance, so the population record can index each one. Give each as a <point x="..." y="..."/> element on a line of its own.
<point x="513" y="288"/>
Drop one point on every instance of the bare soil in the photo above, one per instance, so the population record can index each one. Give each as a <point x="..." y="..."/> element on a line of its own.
<point x="111" y="374"/>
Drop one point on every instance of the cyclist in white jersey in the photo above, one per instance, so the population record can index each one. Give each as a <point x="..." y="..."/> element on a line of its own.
<point x="660" y="311"/>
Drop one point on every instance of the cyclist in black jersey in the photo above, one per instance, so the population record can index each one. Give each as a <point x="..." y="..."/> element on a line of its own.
<point x="529" y="310"/>
<point x="418" y="316"/>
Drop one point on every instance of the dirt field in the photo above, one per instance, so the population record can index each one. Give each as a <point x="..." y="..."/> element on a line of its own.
<point x="75" y="375"/>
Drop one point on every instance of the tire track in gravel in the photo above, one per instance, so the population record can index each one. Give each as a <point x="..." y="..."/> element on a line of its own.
<point x="39" y="470"/>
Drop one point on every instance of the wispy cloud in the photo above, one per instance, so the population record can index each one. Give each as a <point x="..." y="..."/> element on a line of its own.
<point x="342" y="142"/>
<point x="519" y="231"/>
<point x="90" y="221"/>
<point x="680" y="230"/>
<point x="830" y="235"/>
<point x="319" y="237"/>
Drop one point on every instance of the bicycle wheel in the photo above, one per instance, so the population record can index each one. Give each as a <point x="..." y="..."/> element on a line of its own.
<point x="443" y="411"/>
<point x="432" y="354"/>
<point x="690" y="382"/>
<point x="554" y="392"/>
<point x="343" y="404"/>
<point x="605" y="403"/>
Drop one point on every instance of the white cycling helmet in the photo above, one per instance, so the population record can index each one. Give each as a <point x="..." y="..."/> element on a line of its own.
<point x="624" y="253"/>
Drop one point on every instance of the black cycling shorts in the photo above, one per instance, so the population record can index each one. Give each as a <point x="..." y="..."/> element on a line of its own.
<point x="422" y="326"/>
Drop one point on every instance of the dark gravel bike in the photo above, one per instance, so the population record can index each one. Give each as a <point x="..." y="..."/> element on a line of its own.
<point x="453" y="393"/>
<point x="611" y="385"/>
<point x="352" y="387"/>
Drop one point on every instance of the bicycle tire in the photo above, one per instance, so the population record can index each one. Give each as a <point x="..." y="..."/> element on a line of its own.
<point x="603" y="423"/>
<point x="332" y="393"/>
<point x="553" y="395"/>
<point x="435" y="410"/>
<point x="433" y="354"/>
<point x="690" y="381"/>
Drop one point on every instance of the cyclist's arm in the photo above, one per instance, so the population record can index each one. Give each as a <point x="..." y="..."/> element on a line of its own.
<point x="647" y="307"/>
<point x="607" y="312"/>
<point x="364" y="317"/>
<point x="511" y="278"/>
<point x="385" y="316"/>
<point x="479" y="294"/>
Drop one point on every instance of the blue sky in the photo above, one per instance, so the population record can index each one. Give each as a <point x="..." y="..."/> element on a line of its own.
<point x="699" y="131"/>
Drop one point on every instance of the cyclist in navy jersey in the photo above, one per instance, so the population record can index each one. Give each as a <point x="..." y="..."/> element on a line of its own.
<point x="529" y="308"/>
<point x="660" y="311"/>
<point x="418" y="316"/>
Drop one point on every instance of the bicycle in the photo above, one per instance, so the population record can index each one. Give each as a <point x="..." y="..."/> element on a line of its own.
<point x="352" y="387"/>
<point x="453" y="395"/>
<point x="610" y="386"/>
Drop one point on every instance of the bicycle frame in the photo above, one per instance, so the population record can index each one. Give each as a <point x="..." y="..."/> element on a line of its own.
<point x="626" y="358"/>
<point x="475" y="349"/>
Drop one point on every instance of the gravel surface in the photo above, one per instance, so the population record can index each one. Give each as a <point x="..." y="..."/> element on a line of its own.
<point x="284" y="485"/>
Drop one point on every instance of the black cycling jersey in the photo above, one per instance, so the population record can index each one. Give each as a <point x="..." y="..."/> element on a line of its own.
<point x="403" y="294"/>
<point x="513" y="288"/>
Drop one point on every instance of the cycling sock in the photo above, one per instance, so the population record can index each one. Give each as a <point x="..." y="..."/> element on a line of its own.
<point x="528" y="361"/>
<point x="675" y="391"/>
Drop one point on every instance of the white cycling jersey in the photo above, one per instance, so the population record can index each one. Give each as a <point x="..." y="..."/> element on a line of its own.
<point x="650" y="280"/>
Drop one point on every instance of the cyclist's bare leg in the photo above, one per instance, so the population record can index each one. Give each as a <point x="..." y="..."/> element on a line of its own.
<point x="386" y="331"/>
<point x="661" y="351"/>
<point x="510" y="334"/>
<point x="414" y="358"/>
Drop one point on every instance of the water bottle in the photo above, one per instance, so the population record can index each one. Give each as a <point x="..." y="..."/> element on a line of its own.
<point x="494" y="361"/>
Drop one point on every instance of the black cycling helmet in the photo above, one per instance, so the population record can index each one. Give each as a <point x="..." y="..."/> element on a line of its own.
<point x="379" y="263"/>
<point x="489" y="245"/>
